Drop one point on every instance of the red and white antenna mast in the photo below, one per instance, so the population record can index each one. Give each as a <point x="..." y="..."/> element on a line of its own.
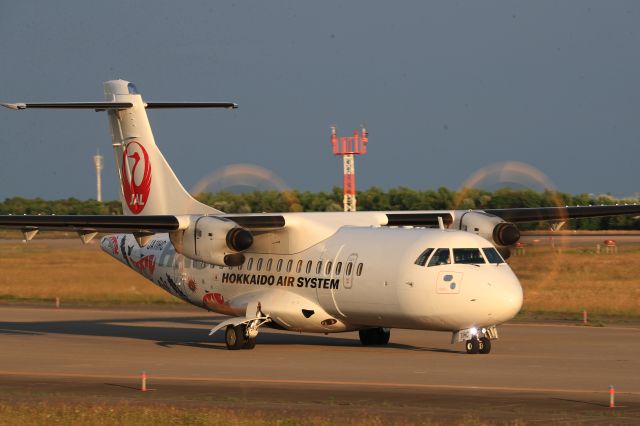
<point x="348" y="147"/>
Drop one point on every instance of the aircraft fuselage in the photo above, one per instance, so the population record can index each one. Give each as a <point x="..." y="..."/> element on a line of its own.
<point x="357" y="278"/>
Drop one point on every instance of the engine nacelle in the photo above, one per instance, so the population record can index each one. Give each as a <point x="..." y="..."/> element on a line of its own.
<point x="492" y="228"/>
<point x="214" y="240"/>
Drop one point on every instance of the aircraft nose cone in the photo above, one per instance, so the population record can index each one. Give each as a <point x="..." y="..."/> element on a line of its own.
<point x="510" y="299"/>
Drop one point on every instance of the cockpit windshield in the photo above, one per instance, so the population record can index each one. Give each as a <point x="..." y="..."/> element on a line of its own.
<point x="440" y="257"/>
<point x="467" y="256"/>
<point x="461" y="256"/>
<point x="422" y="259"/>
<point x="492" y="255"/>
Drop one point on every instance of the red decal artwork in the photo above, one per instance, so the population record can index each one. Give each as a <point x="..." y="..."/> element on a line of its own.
<point x="219" y="298"/>
<point x="136" y="176"/>
<point x="111" y="243"/>
<point x="213" y="299"/>
<point x="146" y="264"/>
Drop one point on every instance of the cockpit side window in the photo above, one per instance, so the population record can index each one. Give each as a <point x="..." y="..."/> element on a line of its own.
<point x="492" y="255"/>
<point x="467" y="256"/>
<point x="440" y="257"/>
<point x="422" y="259"/>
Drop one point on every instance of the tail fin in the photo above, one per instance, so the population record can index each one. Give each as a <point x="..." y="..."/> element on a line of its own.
<point x="148" y="185"/>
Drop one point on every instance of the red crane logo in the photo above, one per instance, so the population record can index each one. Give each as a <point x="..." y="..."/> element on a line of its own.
<point x="136" y="180"/>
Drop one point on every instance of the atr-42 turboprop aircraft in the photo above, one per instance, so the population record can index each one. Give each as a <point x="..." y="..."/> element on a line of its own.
<point x="311" y="272"/>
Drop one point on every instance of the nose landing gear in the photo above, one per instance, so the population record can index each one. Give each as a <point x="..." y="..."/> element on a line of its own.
<point x="477" y="341"/>
<point x="472" y="345"/>
<point x="478" y="346"/>
<point x="485" y="345"/>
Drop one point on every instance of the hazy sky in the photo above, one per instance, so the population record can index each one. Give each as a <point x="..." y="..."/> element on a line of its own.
<point x="445" y="88"/>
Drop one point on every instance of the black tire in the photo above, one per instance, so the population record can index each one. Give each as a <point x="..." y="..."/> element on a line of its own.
<point x="472" y="346"/>
<point x="250" y="343"/>
<point x="234" y="337"/>
<point x="383" y="335"/>
<point x="365" y="337"/>
<point x="374" y="336"/>
<point x="485" y="346"/>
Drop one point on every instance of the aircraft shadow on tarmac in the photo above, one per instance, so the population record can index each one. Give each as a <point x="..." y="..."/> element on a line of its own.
<point x="187" y="335"/>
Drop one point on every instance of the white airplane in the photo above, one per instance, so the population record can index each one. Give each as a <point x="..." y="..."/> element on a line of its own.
<point x="309" y="272"/>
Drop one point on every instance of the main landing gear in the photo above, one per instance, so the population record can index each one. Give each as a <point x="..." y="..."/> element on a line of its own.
<point x="241" y="333"/>
<point x="238" y="337"/>
<point x="374" y="336"/>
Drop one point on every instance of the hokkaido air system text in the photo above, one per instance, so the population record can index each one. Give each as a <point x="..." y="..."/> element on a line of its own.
<point x="282" y="280"/>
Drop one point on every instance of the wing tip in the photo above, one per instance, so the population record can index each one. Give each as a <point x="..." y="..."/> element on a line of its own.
<point x="15" y="106"/>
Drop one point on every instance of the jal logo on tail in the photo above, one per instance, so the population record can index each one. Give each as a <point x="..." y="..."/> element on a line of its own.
<point x="136" y="176"/>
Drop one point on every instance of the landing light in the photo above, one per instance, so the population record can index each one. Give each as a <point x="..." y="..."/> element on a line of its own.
<point x="473" y="331"/>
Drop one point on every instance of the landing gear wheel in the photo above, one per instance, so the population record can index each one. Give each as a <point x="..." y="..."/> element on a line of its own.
<point x="374" y="336"/>
<point x="250" y="343"/>
<point x="485" y="345"/>
<point x="472" y="346"/>
<point x="384" y="334"/>
<point x="235" y="337"/>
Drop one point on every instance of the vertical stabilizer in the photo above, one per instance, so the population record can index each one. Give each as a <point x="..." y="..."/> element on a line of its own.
<point x="148" y="186"/>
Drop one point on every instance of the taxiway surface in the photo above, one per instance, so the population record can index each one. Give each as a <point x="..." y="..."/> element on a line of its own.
<point x="535" y="371"/>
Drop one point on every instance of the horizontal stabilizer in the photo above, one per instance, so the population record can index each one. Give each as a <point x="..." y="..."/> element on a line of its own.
<point x="100" y="106"/>
<point x="159" y="105"/>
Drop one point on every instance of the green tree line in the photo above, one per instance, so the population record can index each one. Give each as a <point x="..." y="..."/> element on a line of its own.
<point x="371" y="199"/>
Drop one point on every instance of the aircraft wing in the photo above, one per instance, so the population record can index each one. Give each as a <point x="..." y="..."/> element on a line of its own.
<point x="89" y="225"/>
<point x="535" y="214"/>
<point x="526" y="214"/>
<point x="141" y="225"/>
<point x="98" y="223"/>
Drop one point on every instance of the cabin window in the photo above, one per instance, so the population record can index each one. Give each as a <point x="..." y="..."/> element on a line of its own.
<point x="359" y="269"/>
<point x="440" y="257"/>
<point x="259" y="264"/>
<point x="492" y="255"/>
<point x="289" y="265"/>
<point x="299" y="266"/>
<point x="422" y="259"/>
<point x="249" y="263"/>
<point x="319" y="267"/>
<point x="338" y="268"/>
<point x="327" y="269"/>
<point x="470" y="256"/>
<point x="279" y="265"/>
<point x="269" y="263"/>
<point x="309" y="264"/>
<point x="347" y="271"/>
